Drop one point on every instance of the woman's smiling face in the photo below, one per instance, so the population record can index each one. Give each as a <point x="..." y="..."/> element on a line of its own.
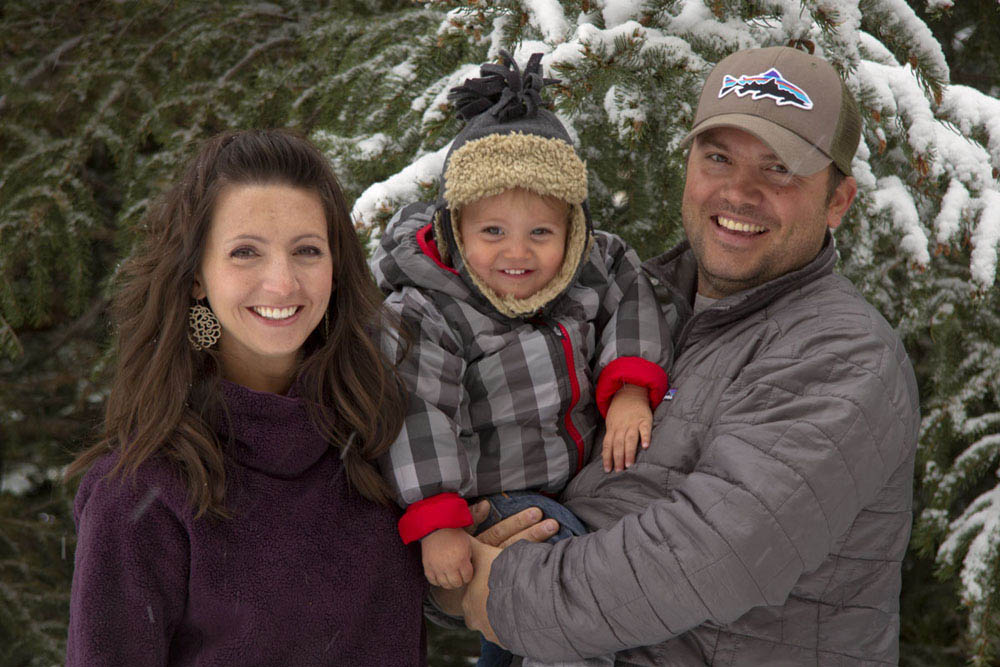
<point x="267" y="273"/>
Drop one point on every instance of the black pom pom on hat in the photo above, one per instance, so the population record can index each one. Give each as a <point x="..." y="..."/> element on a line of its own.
<point x="503" y="90"/>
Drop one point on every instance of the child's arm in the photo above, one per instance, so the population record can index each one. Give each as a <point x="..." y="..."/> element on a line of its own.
<point x="447" y="556"/>
<point x="435" y="420"/>
<point x="633" y="352"/>
<point x="629" y="421"/>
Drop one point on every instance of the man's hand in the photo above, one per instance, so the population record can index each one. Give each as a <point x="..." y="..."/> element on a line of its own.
<point x="629" y="422"/>
<point x="478" y="590"/>
<point x="525" y="525"/>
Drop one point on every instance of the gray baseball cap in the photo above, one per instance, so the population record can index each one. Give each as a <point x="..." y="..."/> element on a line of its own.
<point x="794" y="102"/>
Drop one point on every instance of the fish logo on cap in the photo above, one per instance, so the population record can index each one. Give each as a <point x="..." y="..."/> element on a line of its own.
<point x="767" y="84"/>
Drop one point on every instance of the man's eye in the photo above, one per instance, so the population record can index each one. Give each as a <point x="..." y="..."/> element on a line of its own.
<point x="779" y="168"/>
<point x="715" y="157"/>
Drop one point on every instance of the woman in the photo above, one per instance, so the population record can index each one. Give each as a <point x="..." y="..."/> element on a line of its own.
<point x="232" y="513"/>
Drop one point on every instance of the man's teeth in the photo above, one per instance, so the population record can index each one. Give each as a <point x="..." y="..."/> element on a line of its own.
<point x="739" y="226"/>
<point x="515" y="272"/>
<point x="275" y="313"/>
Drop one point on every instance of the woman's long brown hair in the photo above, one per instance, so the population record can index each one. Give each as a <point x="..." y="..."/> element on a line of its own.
<point x="165" y="393"/>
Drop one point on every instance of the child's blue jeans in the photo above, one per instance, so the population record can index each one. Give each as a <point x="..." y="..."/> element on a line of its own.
<point x="503" y="505"/>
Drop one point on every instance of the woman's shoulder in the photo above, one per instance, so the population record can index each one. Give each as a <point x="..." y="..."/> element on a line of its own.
<point x="113" y="492"/>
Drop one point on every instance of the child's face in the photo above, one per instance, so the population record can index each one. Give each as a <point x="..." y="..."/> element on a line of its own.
<point x="515" y="241"/>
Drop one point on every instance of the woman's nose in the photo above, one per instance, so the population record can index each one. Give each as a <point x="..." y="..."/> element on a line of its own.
<point x="280" y="277"/>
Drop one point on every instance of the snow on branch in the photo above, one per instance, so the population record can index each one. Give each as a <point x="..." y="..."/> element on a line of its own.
<point x="893" y="197"/>
<point x="981" y="520"/>
<point x="985" y="239"/>
<point x="402" y="188"/>
<point x="899" y="25"/>
<point x="971" y="110"/>
<point x="548" y="17"/>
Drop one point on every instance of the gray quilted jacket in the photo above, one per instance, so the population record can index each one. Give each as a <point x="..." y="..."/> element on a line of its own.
<point x="767" y="522"/>
<point x="498" y="403"/>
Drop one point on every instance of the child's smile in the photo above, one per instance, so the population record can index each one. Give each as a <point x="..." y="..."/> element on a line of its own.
<point x="514" y="242"/>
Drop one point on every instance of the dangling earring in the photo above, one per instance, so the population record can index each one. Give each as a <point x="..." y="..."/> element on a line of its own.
<point x="326" y="324"/>
<point x="203" y="327"/>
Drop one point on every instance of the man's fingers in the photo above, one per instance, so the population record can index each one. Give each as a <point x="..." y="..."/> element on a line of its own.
<point x="481" y="550"/>
<point x="476" y="594"/>
<point x="503" y="530"/>
<point x="538" y="532"/>
<point x="479" y="513"/>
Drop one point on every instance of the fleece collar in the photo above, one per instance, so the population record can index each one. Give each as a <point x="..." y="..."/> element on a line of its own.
<point x="272" y="433"/>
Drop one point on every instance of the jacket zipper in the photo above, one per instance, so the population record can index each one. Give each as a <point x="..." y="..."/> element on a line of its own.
<point x="567" y="345"/>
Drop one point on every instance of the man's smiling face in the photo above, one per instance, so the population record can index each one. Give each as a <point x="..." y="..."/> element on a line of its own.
<point x="750" y="220"/>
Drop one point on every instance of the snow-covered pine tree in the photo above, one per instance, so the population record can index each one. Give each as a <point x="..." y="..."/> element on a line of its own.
<point x="100" y="103"/>
<point x="921" y="241"/>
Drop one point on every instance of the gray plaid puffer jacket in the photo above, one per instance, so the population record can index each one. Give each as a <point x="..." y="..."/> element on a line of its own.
<point x="500" y="404"/>
<point x="767" y="521"/>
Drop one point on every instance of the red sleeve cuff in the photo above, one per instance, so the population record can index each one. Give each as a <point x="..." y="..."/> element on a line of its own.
<point x="630" y="370"/>
<point x="445" y="510"/>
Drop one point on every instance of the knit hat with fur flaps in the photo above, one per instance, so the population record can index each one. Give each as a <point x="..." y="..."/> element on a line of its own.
<point x="510" y="141"/>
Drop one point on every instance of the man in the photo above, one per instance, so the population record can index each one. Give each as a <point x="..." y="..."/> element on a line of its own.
<point x="768" y="519"/>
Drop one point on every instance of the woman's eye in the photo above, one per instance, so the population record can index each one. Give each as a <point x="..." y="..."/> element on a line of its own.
<point x="243" y="252"/>
<point x="309" y="251"/>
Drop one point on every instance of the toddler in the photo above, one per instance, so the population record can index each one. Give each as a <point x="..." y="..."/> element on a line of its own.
<point x="517" y="306"/>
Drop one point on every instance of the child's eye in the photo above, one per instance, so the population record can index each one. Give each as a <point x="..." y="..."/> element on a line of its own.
<point x="243" y="252"/>
<point x="541" y="231"/>
<point x="492" y="231"/>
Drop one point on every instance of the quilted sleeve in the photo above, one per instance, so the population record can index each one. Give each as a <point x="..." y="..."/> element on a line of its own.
<point x="427" y="466"/>
<point x="798" y="447"/>
<point x="633" y="337"/>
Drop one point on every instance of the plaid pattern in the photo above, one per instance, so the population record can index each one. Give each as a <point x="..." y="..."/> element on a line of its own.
<point x="488" y="393"/>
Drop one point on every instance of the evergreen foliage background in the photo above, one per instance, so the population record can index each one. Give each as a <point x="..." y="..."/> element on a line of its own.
<point x="102" y="101"/>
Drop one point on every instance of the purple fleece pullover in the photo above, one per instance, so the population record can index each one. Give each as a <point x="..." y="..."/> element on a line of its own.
<point x="307" y="572"/>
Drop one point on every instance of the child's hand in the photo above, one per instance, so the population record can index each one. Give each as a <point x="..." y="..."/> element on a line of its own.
<point x="629" y="421"/>
<point x="447" y="557"/>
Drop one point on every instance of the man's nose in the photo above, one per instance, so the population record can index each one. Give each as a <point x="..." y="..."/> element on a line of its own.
<point x="743" y="186"/>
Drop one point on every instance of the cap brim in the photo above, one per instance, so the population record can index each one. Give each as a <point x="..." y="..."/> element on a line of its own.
<point x="797" y="154"/>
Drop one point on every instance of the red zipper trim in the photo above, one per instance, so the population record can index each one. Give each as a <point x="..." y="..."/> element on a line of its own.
<point x="575" y="386"/>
